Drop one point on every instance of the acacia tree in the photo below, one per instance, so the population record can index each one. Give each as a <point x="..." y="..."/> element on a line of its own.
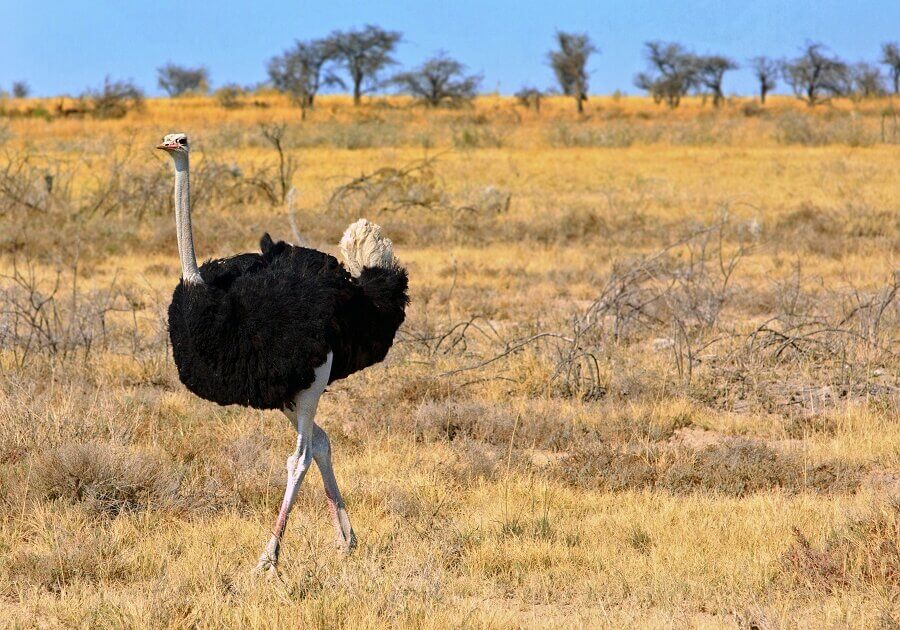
<point x="815" y="76"/>
<point x="766" y="71"/>
<point x="673" y="72"/>
<point x="178" y="80"/>
<point x="364" y="54"/>
<point x="569" y="64"/>
<point x="890" y="56"/>
<point x="711" y="71"/>
<point x="867" y="80"/>
<point x="21" y="89"/>
<point x="299" y="71"/>
<point x="439" y="80"/>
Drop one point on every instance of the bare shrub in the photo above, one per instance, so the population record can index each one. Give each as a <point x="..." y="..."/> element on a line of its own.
<point x="55" y="317"/>
<point x="863" y="322"/>
<point x="393" y="190"/>
<point x="740" y="467"/>
<point x="530" y="97"/>
<point x="737" y="467"/>
<point x="229" y="96"/>
<point x="683" y="295"/>
<point x="411" y="201"/>
<point x="27" y="188"/>
<point x="603" y="467"/>
<point x="835" y="231"/>
<point x="40" y="201"/>
<point x="125" y="188"/>
<point x="686" y="293"/>
<point x="115" y="99"/>
<point x="106" y="479"/>
<point x="543" y="426"/>
<point x="817" y="353"/>
<point x="274" y="135"/>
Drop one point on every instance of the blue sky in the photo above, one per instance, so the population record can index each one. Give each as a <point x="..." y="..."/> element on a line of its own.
<point x="62" y="46"/>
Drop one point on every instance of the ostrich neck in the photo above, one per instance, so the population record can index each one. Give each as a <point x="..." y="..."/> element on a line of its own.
<point x="189" y="271"/>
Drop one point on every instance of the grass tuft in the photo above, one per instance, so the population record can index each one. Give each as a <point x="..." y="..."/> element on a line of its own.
<point x="106" y="479"/>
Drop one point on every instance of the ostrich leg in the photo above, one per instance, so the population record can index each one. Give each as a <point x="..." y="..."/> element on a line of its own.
<point x="298" y="463"/>
<point x="321" y="451"/>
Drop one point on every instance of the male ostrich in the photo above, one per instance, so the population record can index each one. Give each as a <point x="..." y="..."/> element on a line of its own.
<point x="272" y="330"/>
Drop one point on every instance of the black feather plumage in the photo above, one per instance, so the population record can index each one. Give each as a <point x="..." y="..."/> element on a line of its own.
<point x="253" y="333"/>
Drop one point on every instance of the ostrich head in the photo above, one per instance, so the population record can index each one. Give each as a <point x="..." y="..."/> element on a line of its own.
<point x="175" y="143"/>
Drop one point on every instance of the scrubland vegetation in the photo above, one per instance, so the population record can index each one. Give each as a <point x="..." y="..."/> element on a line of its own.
<point x="649" y="375"/>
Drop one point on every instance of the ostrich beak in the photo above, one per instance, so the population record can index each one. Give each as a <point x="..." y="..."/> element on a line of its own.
<point x="167" y="146"/>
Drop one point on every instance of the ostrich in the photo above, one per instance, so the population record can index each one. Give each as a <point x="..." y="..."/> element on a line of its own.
<point x="272" y="330"/>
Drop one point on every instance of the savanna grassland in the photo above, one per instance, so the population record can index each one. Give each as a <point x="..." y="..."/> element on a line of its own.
<point x="649" y="375"/>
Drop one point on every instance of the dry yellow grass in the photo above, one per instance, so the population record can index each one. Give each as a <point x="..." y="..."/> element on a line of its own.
<point x="695" y="456"/>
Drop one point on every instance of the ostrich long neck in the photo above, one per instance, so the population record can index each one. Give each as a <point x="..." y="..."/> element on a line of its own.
<point x="189" y="271"/>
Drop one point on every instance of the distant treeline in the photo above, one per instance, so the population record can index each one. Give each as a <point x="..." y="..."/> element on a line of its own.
<point x="358" y="60"/>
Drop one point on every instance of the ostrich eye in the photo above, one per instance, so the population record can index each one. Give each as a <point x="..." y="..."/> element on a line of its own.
<point x="182" y="141"/>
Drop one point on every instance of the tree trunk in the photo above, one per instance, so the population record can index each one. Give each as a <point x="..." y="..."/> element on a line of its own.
<point x="762" y="93"/>
<point x="357" y="92"/>
<point x="579" y="99"/>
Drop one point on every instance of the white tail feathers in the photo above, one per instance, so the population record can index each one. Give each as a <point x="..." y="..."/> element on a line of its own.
<point x="365" y="245"/>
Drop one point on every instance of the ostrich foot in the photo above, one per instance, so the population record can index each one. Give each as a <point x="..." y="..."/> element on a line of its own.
<point x="266" y="567"/>
<point x="346" y="542"/>
<point x="345" y="538"/>
<point x="268" y="560"/>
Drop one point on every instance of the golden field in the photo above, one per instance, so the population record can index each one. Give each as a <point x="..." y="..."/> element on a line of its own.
<point x="649" y="376"/>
